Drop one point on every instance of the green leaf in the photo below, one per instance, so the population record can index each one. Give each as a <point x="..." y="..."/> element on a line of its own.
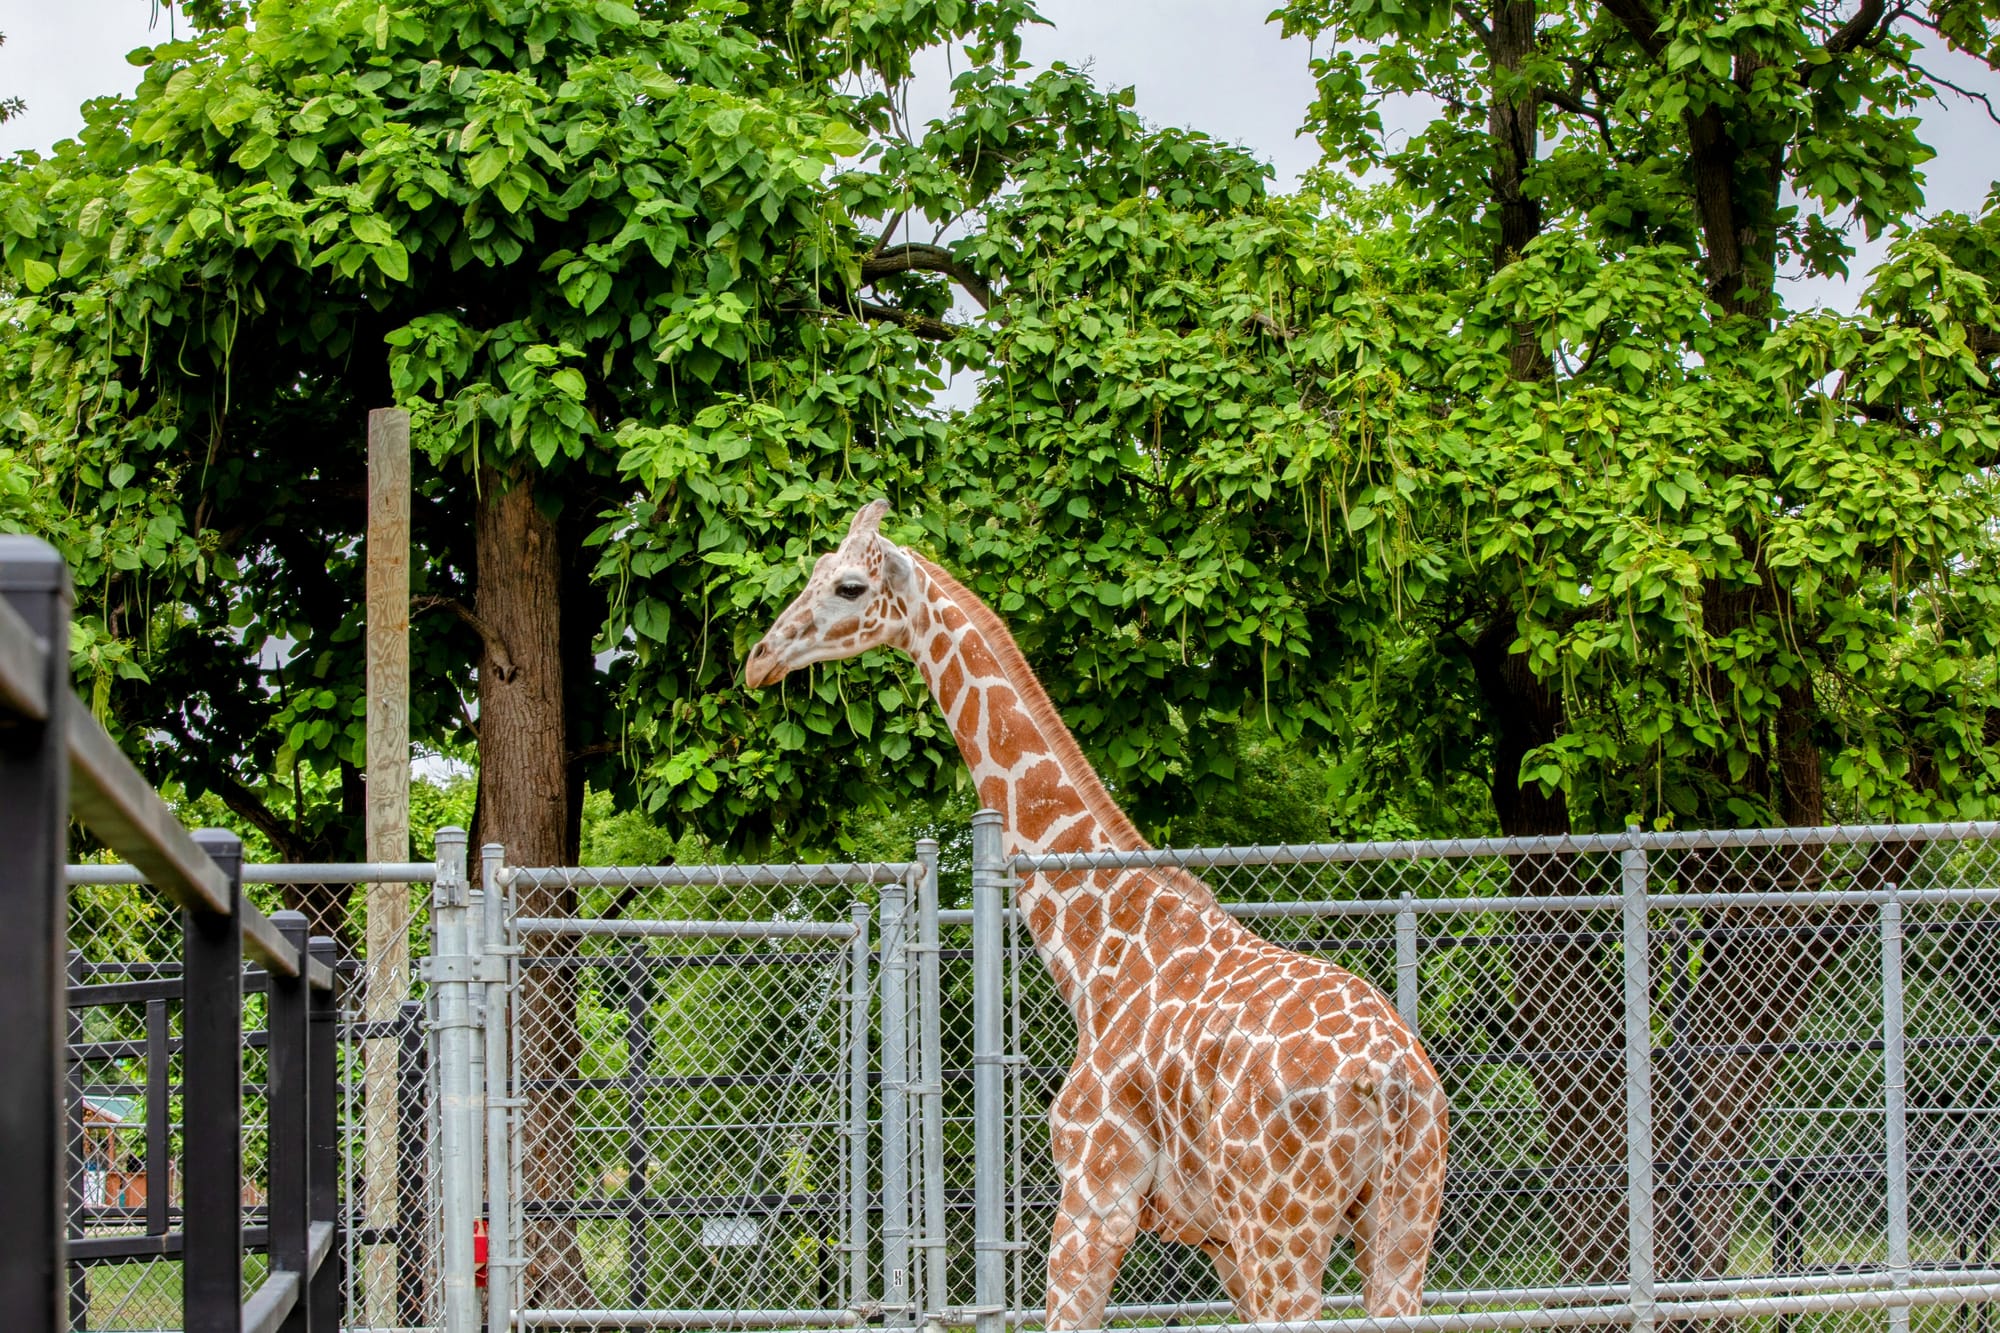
<point x="393" y="260"/>
<point x="842" y="139"/>
<point x="487" y="166"/>
<point x="37" y="274"/>
<point x="652" y="619"/>
<point x="370" y="229"/>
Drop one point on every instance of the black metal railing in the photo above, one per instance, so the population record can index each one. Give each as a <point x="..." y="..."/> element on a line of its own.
<point x="58" y="763"/>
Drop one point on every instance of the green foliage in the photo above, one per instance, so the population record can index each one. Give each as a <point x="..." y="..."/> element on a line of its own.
<point x="604" y="242"/>
<point x="1272" y="463"/>
<point x="1258" y="482"/>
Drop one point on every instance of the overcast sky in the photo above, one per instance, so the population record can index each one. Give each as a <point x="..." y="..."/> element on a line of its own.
<point x="1214" y="66"/>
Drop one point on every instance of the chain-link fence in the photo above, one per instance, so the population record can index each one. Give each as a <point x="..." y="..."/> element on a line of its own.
<point x="1688" y="1076"/>
<point x="813" y="1096"/>
<point x="124" y="1158"/>
<point x="1810" y="1124"/>
<point x="711" y="1120"/>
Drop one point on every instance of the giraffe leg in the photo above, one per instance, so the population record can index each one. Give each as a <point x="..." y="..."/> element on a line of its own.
<point x="1391" y="1252"/>
<point x="1278" y="1273"/>
<point x="1106" y="1174"/>
<point x="1392" y="1238"/>
<point x="1278" y="1247"/>
<point x="1225" y="1268"/>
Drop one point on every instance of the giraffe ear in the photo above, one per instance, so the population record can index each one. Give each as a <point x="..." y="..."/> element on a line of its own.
<point x="867" y="521"/>
<point x="899" y="571"/>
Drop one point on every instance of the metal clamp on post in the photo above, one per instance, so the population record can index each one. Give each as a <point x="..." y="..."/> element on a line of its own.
<point x="441" y="968"/>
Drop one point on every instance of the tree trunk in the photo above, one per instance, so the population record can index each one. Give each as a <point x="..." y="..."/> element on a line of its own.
<point x="1567" y="1021"/>
<point x="1736" y="184"/>
<point x="1510" y="118"/>
<point x="523" y="797"/>
<point x="1750" y="977"/>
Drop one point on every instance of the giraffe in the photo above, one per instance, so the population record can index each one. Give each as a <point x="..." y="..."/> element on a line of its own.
<point x="1226" y="1093"/>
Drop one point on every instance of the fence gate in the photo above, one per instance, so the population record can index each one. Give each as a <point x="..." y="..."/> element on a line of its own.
<point x="691" y="1097"/>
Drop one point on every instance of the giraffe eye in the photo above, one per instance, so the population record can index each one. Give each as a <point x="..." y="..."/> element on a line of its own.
<point x="850" y="590"/>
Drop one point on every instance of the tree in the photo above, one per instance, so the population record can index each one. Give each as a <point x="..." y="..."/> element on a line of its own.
<point x="1535" y="438"/>
<point x="653" y="335"/>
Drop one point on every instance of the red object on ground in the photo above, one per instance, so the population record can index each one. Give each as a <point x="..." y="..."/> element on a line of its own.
<point x="479" y="1253"/>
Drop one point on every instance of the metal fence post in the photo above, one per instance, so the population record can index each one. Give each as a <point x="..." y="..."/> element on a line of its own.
<point x="897" y="1283"/>
<point x="930" y="1053"/>
<point x="1406" y="961"/>
<point x="288" y="1109"/>
<point x="858" y="994"/>
<point x="449" y="971"/>
<point x="1638" y="1087"/>
<point x="500" y="1258"/>
<point x="212" y="1102"/>
<point x="34" y="833"/>
<point x="988" y="1092"/>
<point x="1894" y="1128"/>
<point x="475" y="1012"/>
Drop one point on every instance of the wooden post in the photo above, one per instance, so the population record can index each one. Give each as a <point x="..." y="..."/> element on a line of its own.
<point x="387" y="977"/>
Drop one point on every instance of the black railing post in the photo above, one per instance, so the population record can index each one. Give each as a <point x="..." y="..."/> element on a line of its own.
<point x="159" y="1119"/>
<point x="287" y="1098"/>
<point x="212" y="1102"/>
<point x="34" y="846"/>
<point x="323" y="1148"/>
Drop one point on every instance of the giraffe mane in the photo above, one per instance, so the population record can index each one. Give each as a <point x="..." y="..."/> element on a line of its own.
<point x="1115" y="822"/>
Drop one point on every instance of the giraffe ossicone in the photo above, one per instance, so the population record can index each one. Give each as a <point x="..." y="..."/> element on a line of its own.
<point x="1227" y="1093"/>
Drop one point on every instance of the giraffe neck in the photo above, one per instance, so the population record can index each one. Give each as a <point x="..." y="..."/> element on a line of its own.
<point x="1026" y="765"/>
<point x="1024" y="762"/>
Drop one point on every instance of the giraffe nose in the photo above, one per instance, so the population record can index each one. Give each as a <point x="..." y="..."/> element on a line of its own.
<point x="762" y="667"/>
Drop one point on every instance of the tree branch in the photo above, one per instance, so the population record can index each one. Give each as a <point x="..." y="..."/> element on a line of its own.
<point x="244" y="802"/>
<point x="924" y="326"/>
<point x="882" y="242"/>
<point x="1967" y="93"/>
<point x="1473" y="21"/>
<point x="496" y="647"/>
<point x="918" y="257"/>
<point x="1640" y="21"/>
<point x="1576" y="106"/>
<point x="1857" y="29"/>
<point x="1270" y="324"/>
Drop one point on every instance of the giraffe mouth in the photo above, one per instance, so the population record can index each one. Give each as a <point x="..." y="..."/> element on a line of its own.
<point x="764" y="667"/>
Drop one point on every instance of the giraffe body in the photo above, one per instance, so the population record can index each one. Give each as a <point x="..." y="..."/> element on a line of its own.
<point x="1227" y="1093"/>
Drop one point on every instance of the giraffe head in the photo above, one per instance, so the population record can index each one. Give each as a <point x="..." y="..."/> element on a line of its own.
<point x="859" y="597"/>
